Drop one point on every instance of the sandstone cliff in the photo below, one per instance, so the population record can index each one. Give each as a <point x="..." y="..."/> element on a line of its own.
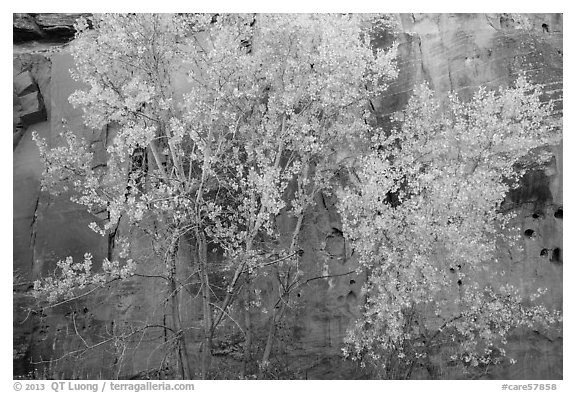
<point x="44" y="27"/>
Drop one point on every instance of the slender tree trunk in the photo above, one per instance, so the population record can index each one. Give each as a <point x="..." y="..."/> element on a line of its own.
<point x="269" y="340"/>
<point x="207" y="311"/>
<point x="254" y="230"/>
<point x="276" y="316"/>
<point x="248" y="335"/>
<point x="278" y="312"/>
<point x="248" y="330"/>
<point x="185" y="366"/>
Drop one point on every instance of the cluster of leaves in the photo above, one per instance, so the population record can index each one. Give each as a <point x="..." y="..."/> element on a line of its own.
<point x="424" y="218"/>
<point x="226" y="143"/>
<point x="77" y="276"/>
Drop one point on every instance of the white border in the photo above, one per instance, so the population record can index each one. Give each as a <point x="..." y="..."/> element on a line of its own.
<point x="301" y="6"/>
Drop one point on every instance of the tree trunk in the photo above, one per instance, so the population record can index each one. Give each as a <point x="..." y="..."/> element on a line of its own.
<point x="185" y="367"/>
<point x="276" y="315"/>
<point x="248" y="331"/>
<point x="279" y="310"/>
<point x="207" y="311"/>
<point x="268" y="348"/>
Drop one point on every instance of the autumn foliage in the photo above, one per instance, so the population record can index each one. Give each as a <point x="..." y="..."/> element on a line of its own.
<point x="223" y="123"/>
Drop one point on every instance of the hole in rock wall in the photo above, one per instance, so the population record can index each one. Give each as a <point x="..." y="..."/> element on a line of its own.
<point x="352" y="282"/>
<point x="528" y="232"/>
<point x="556" y="255"/>
<point x="351" y="296"/>
<point x="559" y="213"/>
<point x="337" y="232"/>
<point x="545" y="28"/>
<point x="459" y="282"/>
<point x="536" y="215"/>
<point x="544" y="252"/>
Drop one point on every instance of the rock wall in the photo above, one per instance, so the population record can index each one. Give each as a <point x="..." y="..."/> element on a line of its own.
<point x="44" y="27"/>
<point x="456" y="52"/>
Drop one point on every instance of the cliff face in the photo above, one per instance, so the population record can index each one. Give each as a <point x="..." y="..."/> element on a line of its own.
<point x="44" y="27"/>
<point x="451" y="52"/>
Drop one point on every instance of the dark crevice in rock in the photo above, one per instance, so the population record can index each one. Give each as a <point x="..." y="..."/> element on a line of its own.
<point x="111" y="242"/>
<point x="556" y="255"/>
<point x="543" y="336"/>
<point x="323" y="199"/>
<point x="100" y="165"/>
<point x="17" y="137"/>
<point x="424" y="72"/>
<point x="450" y="78"/>
<point x="559" y="213"/>
<point x="34" y="223"/>
<point x="351" y="297"/>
